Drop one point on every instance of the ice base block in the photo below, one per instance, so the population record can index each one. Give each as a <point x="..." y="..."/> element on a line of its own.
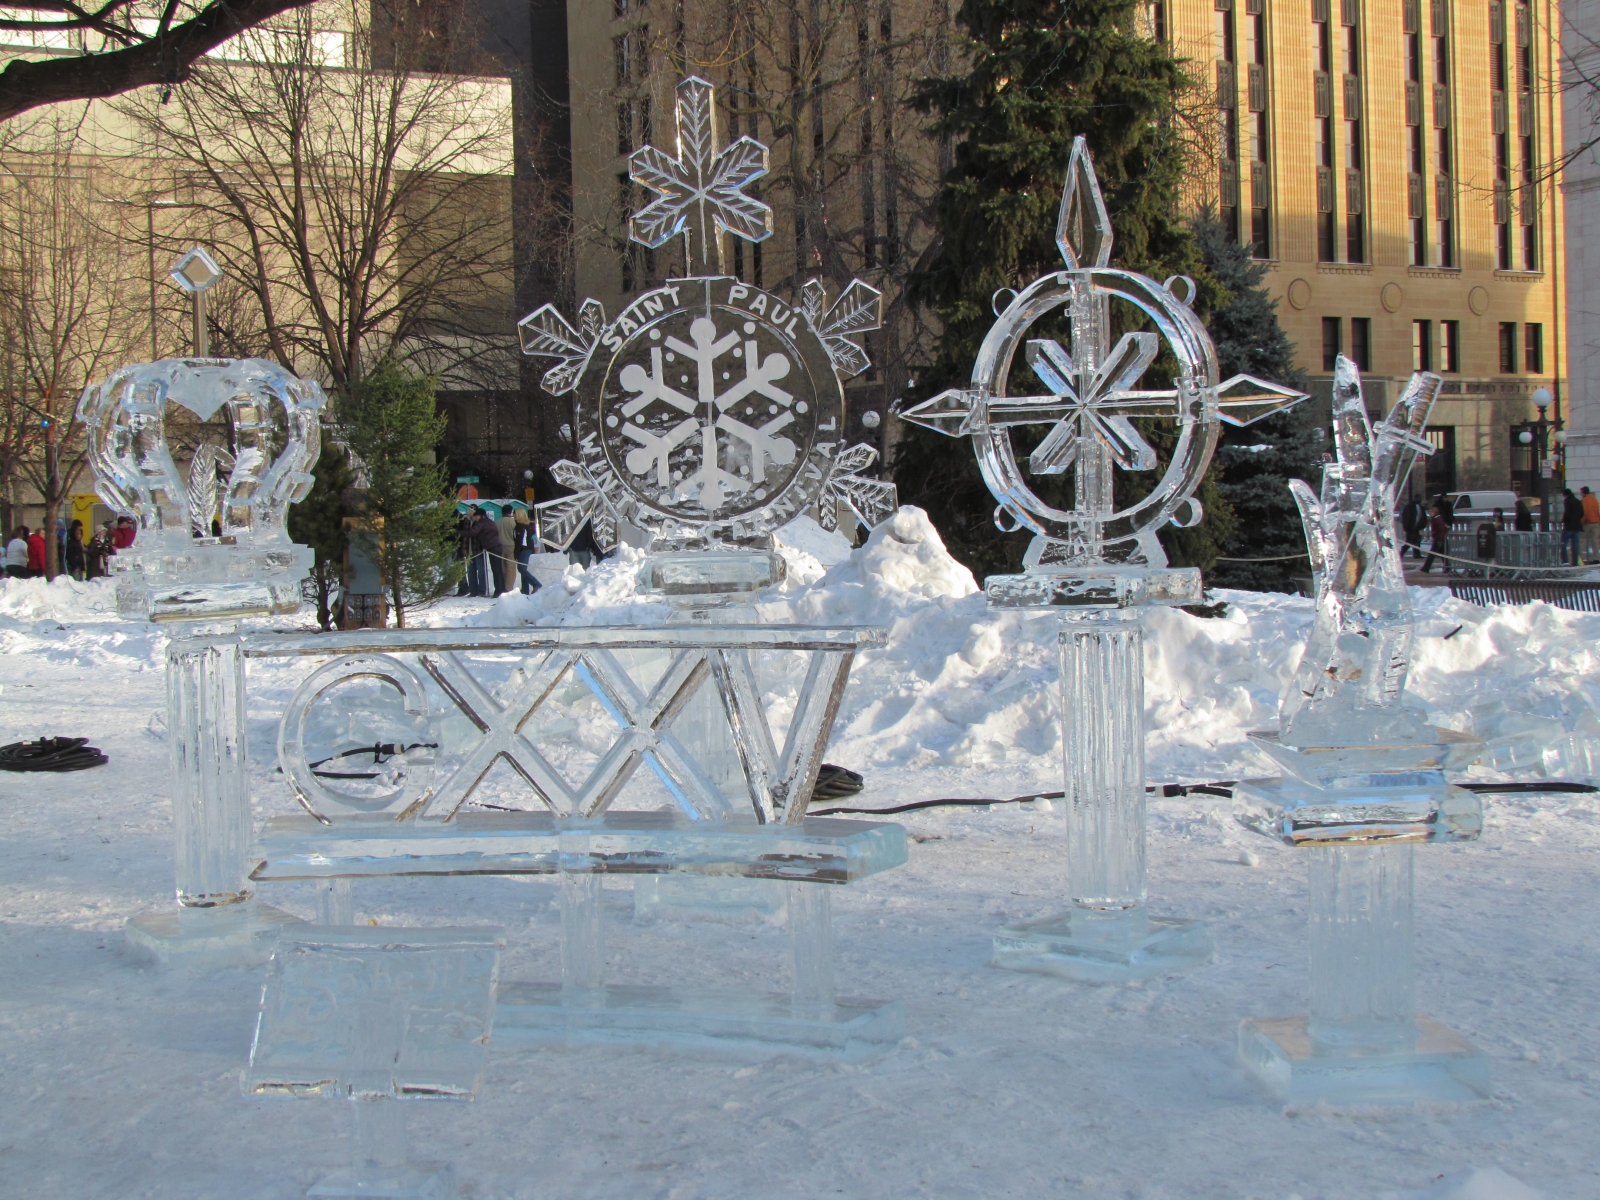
<point x="729" y="900"/>
<point x="415" y="1181"/>
<point x="1440" y="1067"/>
<point x="226" y="935"/>
<point x="1092" y="949"/>
<point x="848" y="1030"/>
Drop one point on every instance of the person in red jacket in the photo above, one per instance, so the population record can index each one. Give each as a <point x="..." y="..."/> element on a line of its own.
<point x="36" y="554"/>
<point x="122" y="537"/>
<point x="1439" y="530"/>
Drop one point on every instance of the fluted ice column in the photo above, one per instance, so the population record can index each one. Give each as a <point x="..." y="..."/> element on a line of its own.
<point x="1108" y="936"/>
<point x="1361" y="949"/>
<point x="1102" y="692"/>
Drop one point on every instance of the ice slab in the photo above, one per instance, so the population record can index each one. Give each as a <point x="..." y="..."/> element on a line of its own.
<point x="222" y="936"/>
<point x="1095" y="586"/>
<point x="1354" y="765"/>
<point x="373" y="1013"/>
<point x="1440" y="1067"/>
<point x="848" y="1030"/>
<point x="820" y="849"/>
<point x="1372" y="808"/>
<point x="1100" y="949"/>
<point x="414" y="1181"/>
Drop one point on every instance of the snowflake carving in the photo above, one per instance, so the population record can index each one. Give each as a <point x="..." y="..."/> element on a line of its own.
<point x="700" y="191"/>
<point x="708" y="411"/>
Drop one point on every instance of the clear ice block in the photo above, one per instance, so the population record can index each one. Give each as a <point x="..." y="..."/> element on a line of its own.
<point x="1108" y="936"/>
<point x="377" y="1017"/>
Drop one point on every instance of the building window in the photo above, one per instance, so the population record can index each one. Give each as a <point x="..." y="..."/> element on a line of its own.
<point x="1322" y="134"/>
<point x="1533" y="349"/>
<point x="1361" y="342"/>
<point x="1449" y="346"/>
<point x="1500" y="113"/>
<point x="1422" y="345"/>
<point x="1230" y="184"/>
<point x="1332" y="342"/>
<point x="1508" y="347"/>
<point x="1355" y="230"/>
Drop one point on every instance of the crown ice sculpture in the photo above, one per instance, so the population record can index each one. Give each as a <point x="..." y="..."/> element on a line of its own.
<point x="1364" y="783"/>
<point x="211" y="540"/>
<point x="1095" y="563"/>
<point x="211" y="547"/>
<point x="710" y="412"/>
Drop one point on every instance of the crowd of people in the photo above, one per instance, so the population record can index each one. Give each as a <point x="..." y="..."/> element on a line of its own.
<point x="1578" y="524"/>
<point x="25" y="556"/>
<point x="498" y="552"/>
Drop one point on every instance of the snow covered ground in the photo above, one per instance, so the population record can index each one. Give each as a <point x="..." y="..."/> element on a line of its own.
<point x="119" y="1080"/>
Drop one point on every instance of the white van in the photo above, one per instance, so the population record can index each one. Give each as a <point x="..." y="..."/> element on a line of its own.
<point x="1480" y="505"/>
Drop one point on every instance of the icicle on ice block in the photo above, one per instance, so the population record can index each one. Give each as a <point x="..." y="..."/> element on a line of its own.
<point x="1364" y="784"/>
<point x="1096" y="564"/>
<point x="211" y="547"/>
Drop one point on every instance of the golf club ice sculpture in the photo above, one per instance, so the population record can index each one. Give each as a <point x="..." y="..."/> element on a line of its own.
<point x="1094" y="563"/>
<point x="258" y="434"/>
<point x="1364" y="782"/>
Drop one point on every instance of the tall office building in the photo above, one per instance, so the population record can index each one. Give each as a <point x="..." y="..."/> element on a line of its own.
<point x="1390" y="161"/>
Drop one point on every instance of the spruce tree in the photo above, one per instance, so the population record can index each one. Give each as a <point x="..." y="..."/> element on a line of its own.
<point x="408" y="524"/>
<point x="1039" y="73"/>
<point x="318" y="522"/>
<point x="1254" y="464"/>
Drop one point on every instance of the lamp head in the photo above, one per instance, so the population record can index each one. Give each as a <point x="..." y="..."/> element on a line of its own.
<point x="1541" y="399"/>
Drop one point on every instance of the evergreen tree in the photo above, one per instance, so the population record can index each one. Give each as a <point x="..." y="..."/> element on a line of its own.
<point x="318" y="522"/>
<point x="1041" y="72"/>
<point x="393" y="426"/>
<point x="1254" y="464"/>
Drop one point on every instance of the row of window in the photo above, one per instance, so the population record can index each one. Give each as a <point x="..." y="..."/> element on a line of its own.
<point x="1338" y="129"/>
<point x="1435" y="345"/>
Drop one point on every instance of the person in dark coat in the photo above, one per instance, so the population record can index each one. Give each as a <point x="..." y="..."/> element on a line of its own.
<point x="525" y="546"/>
<point x="1412" y="518"/>
<point x="77" y="553"/>
<point x="1439" y="532"/>
<point x="1522" y="518"/>
<point x="1571" y="528"/>
<point x="96" y="553"/>
<point x="486" y="546"/>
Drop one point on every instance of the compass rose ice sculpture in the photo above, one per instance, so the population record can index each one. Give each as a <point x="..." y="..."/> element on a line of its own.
<point x="1364" y="782"/>
<point x="1097" y="564"/>
<point x="710" y="412"/>
<point x="211" y="548"/>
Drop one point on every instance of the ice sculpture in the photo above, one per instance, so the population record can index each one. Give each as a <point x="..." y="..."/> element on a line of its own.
<point x="211" y="547"/>
<point x="707" y="414"/>
<point x="1364" y="782"/>
<point x="377" y="1017"/>
<point x="1095" y="563"/>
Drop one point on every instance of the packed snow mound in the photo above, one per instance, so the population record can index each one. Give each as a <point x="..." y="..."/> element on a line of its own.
<point x="809" y="550"/>
<point x="59" y="599"/>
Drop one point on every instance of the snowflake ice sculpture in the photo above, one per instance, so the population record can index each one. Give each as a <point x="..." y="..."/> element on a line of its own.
<point x="1092" y="395"/>
<point x="710" y="411"/>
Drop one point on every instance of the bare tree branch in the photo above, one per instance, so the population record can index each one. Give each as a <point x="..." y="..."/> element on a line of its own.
<point x="164" y="58"/>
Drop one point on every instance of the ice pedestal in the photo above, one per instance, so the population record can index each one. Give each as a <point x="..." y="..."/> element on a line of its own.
<point x="1363" y="1042"/>
<point x="809" y="1020"/>
<point x="377" y="1017"/>
<point x="1108" y="935"/>
<point x="217" y="921"/>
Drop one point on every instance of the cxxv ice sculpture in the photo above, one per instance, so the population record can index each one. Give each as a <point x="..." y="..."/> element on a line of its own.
<point x="1097" y="564"/>
<point x="707" y="414"/>
<point x="1364" y="783"/>
<point x="211" y="548"/>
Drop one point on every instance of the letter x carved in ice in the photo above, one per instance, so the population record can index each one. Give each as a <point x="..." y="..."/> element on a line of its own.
<point x="644" y="723"/>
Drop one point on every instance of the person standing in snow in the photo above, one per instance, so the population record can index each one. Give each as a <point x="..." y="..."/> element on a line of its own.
<point x="124" y="533"/>
<point x="75" y="557"/>
<point x="1412" y="518"/>
<point x="1439" y="533"/>
<point x="505" y="565"/>
<point x="96" y="552"/>
<point x="36" y="554"/>
<point x="525" y="545"/>
<point x="1571" y="527"/>
<point x="17" y="554"/>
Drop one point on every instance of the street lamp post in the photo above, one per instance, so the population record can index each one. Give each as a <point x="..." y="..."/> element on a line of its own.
<point x="1541" y="433"/>
<point x="195" y="273"/>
